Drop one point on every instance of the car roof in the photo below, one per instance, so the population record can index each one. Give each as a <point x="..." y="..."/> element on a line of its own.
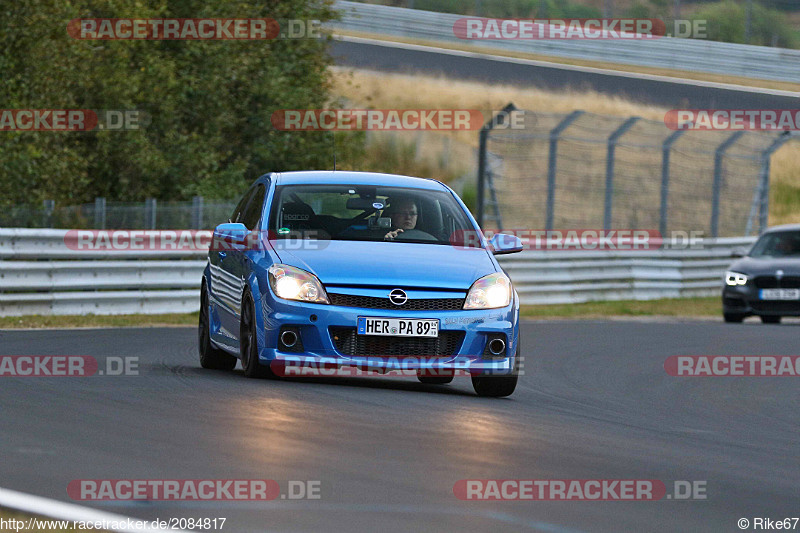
<point x="342" y="177"/>
<point x="784" y="227"/>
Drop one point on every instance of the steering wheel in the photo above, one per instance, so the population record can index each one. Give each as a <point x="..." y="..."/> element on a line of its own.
<point x="416" y="235"/>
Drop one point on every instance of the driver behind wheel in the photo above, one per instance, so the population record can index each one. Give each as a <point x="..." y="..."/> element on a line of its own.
<point x="404" y="213"/>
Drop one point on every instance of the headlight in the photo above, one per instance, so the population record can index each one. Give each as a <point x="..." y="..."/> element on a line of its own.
<point x="735" y="278"/>
<point x="292" y="283"/>
<point x="489" y="292"/>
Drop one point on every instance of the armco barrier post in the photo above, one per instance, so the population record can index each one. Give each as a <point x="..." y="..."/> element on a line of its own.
<point x="665" y="151"/>
<point x="552" y="158"/>
<point x="612" y="146"/>
<point x="719" y="154"/>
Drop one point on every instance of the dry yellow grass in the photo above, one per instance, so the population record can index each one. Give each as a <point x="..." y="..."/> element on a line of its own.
<point x="402" y="91"/>
<point x="785" y="191"/>
<point x="398" y="91"/>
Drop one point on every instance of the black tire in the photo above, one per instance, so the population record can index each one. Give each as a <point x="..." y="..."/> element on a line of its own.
<point x="733" y="317"/>
<point x="211" y="357"/>
<point x="770" y="319"/>
<point x="248" y="344"/>
<point x="497" y="386"/>
<point x="433" y="380"/>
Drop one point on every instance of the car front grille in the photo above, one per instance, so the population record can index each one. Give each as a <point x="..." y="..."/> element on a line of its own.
<point x="347" y="342"/>
<point x="422" y="304"/>
<point x="771" y="282"/>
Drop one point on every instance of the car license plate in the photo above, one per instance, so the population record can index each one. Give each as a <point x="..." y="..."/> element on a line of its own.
<point x="398" y="327"/>
<point x="780" y="294"/>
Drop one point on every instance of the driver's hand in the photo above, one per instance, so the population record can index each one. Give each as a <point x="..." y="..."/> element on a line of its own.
<point x="392" y="234"/>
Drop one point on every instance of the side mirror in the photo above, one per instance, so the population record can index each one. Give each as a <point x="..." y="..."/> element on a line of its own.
<point x="502" y="244"/>
<point x="738" y="252"/>
<point x="231" y="233"/>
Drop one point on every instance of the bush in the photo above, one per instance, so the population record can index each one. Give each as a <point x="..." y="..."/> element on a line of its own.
<point x="727" y="20"/>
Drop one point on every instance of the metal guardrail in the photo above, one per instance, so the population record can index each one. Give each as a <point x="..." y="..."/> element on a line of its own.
<point x="62" y="281"/>
<point x="669" y="53"/>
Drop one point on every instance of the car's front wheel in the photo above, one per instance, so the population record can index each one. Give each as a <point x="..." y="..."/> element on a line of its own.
<point x="210" y="356"/>
<point x="497" y="386"/>
<point x="248" y="343"/>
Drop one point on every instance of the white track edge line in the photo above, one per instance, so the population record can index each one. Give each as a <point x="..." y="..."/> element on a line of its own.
<point x="40" y="506"/>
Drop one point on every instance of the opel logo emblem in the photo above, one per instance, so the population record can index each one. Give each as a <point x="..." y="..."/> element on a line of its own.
<point x="779" y="274"/>
<point x="398" y="297"/>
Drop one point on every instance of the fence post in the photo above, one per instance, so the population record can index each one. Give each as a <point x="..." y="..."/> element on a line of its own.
<point x="197" y="212"/>
<point x="763" y="182"/>
<point x="49" y="207"/>
<point x="665" y="153"/>
<point x="612" y="146"/>
<point x="483" y="137"/>
<point x="715" y="192"/>
<point x="150" y="213"/>
<point x="100" y="213"/>
<point x="552" y="158"/>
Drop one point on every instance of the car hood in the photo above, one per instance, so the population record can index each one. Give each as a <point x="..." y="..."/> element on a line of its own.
<point x="389" y="263"/>
<point x="767" y="265"/>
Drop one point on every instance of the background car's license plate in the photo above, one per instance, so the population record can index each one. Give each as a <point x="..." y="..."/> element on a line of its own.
<point x="780" y="294"/>
<point x="398" y="327"/>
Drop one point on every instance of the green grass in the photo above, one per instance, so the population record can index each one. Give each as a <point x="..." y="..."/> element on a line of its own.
<point x="683" y="307"/>
<point x="97" y="321"/>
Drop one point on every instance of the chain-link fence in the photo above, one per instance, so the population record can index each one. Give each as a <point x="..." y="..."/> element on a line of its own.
<point x="582" y="170"/>
<point x="198" y="213"/>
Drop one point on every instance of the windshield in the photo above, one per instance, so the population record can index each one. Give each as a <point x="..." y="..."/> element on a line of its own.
<point x="777" y="244"/>
<point x="368" y="213"/>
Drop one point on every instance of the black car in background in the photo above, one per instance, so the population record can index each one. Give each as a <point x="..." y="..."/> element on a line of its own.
<point x="766" y="280"/>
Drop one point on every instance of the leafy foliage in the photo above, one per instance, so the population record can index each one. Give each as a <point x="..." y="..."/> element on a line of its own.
<point x="210" y="102"/>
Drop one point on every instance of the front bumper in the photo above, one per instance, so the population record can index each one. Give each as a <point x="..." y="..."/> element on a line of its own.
<point x="744" y="299"/>
<point x="318" y="325"/>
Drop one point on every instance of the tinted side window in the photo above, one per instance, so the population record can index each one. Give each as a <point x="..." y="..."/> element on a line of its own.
<point x="237" y="213"/>
<point x="254" y="208"/>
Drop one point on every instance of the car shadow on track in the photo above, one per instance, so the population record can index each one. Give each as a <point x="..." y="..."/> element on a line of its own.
<point x="366" y="382"/>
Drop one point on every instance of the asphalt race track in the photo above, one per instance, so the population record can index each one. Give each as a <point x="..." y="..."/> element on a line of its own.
<point x="594" y="403"/>
<point x="674" y="95"/>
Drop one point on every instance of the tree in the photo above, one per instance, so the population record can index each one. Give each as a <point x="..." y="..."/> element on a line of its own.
<point x="209" y="102"/>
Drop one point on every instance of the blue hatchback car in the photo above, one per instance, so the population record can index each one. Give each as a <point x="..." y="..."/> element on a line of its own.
<point x="359" y="270"/>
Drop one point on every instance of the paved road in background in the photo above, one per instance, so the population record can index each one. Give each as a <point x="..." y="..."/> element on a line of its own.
<point x="674" y="95"/>
<point x="595" y="403"/>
